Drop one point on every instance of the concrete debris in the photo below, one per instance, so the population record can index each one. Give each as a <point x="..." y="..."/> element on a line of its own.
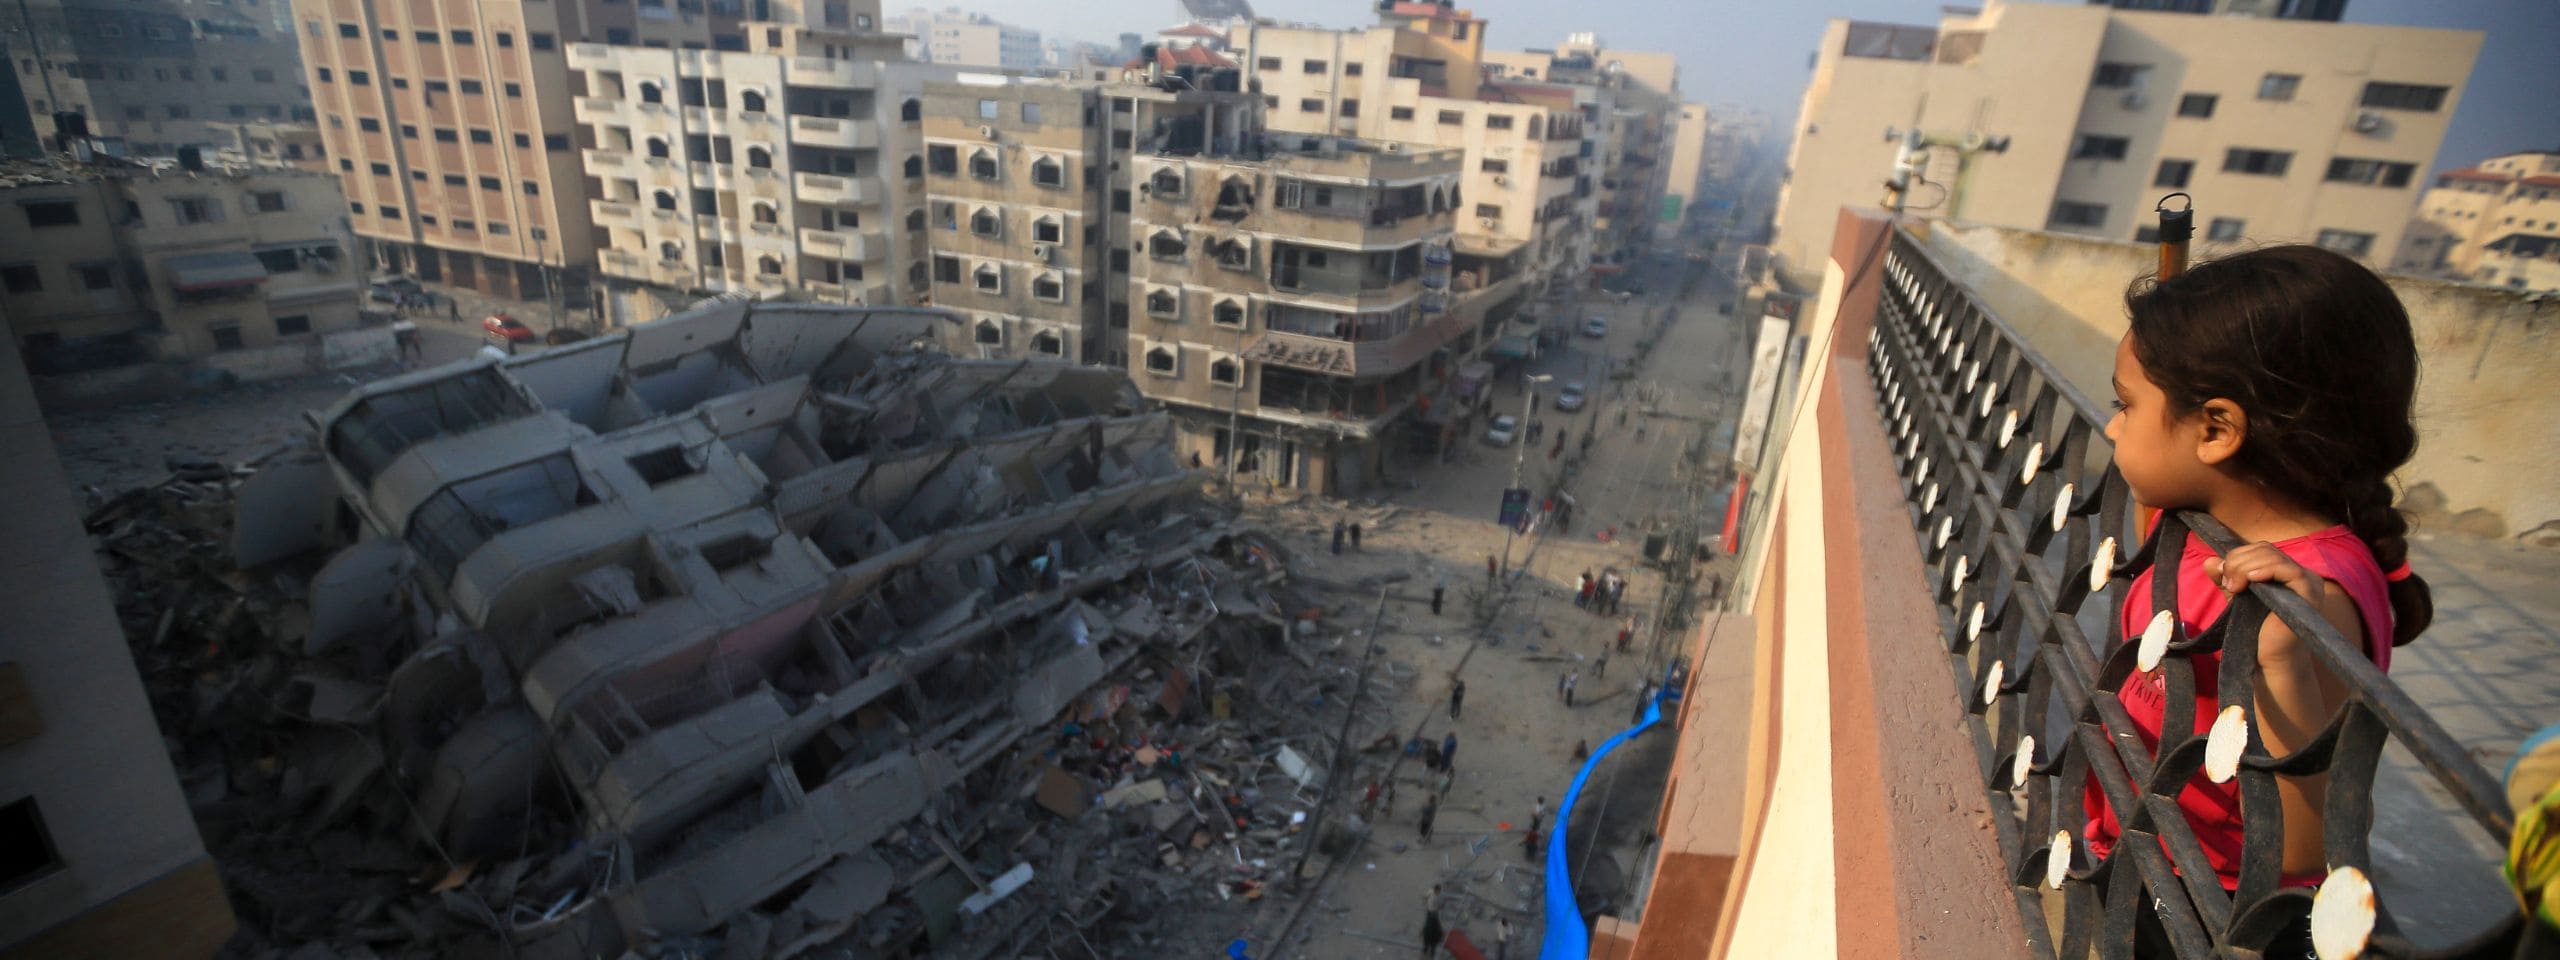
<point x="760" y="631"/>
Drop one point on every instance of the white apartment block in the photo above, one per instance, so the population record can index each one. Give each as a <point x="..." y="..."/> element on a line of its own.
<point x="2282" y="130"/>
<point x="2495" y="223"/>
<point x="951" y="37"/>
<point x="786" y="169"/>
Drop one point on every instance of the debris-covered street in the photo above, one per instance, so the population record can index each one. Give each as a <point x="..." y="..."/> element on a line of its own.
<point x="950" y="681"/>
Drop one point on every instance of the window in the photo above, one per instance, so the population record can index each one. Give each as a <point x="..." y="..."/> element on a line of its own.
<point x="2403" y="96"/>
<point x="550" y="141"/>
<point x="1350" y="108"/>
<point x="1047" y="343"/>
<point x="1399" y="113"/>
<point x="1489" y="211"/>
<point x="96" y="276"/>
<point x="942" y="159"/>
<point x="946" y="269"/>
<point x="982" y="165"/>
<point x="769" y="265"/>
<point x="2269" y="163"/>
<point x="1048" y="172"/>
<point x="2225" y="229"/>
<point x="471" y="86"/>
<point x="1497" y="121"/>
<point x="542" y="41"/>
<point x="52" y="213"/>
<point x="2348" y="242"/>
<point x="1049" y="287"/>
<point x="1351" y="69"/>
<point x="2069" y="214"/>
<point x="324" y="74"/>
<point x="424" y="36"/>
<point x="448" y="135"/>
<point x="291" y="325"/>
<point x="1269" y="63"/>
<point x="266" y="201"/>
<point x="390" y="213"/>
<point x="2381" y="173"/>
<point x="368" y="124"/>
<point x="1164" y="302"/>
<point x="350" y="31"/>
<point x="178" y="111"/>
<point x="911" y="111"/>
<point x="2278" y="86"/>
<point x="1031" y="113"/>
<point x="988" y="332"/>
<point x="1312" y="66"/>
<point x="409" y="131"/>
<point x="1310" y="105"/>
<point x="2093" y="146"/>
<point x="199" y="209"/>
<point x="988" y="279"/>
<point x="359" y="78"/>
<point x="506" y="41"/>
<point x="986" y="110"/>
<point x="2119" y="75"/>
<point x="226" y="336"/>
<point x="1228" y="313"/>
<point x="481" y="136"/>
<point x="2174" y="174"/>
<point x="512" y="89"/>
<point x="262" y="75"/>
<point x="21" y="278"/>
<point x="1048" y="230"/>
<point x="2198" y="105"/>
<point x="1167" y="245"/>
<point x="986" y="223"/>
<point x="1452" y="118"/>
<point x="1161" y="361"/>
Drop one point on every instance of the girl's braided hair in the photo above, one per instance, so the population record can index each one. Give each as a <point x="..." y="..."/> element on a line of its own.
<point x="2317" y="352"/>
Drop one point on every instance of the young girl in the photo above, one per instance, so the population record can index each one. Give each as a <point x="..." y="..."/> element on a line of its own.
<point x="2271" y="390"/>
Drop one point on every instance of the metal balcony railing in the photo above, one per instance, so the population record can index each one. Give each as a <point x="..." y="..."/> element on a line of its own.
<point x="2021" y="516"/>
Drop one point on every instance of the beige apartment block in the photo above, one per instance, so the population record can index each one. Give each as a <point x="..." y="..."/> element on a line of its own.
<point x="243" y="268"/>
<point x="783" y="170"/>
<point x="2495" y="223"/>
<point x="149" y="80"/>
<point x="2282" y="130"/>
<point x="1015" y="212"/>
<point x="293" y="146"/>
<point x="1686" y="170"/>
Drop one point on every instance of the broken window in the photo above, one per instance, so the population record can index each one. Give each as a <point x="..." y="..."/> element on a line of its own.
<point x="942" y="159"/>
<point x="765" y="213"/>
<point x="1166" y="184"/>
<point x="1235" y="200"/>
<point x="663" y="465"/>
<point x="769" y="265"/>
<point x="1167" y="245"/>
<point x="670" y="251"/>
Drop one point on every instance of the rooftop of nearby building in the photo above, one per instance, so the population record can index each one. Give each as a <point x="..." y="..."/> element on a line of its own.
<point x="61" y="169"/>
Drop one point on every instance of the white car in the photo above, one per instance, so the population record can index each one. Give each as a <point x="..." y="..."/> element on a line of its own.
<point x="1505" y="429"/>
<point x="1595" y="327"/>
<point x="1571" y="398"/>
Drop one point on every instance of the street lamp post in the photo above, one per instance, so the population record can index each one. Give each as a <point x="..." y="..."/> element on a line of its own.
<point x="1520" y="457"/>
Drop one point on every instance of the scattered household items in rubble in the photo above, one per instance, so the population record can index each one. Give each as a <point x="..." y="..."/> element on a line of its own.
<point x="760" y="631"/>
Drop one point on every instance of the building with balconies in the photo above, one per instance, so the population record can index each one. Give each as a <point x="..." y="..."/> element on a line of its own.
<point x="2247" y="111"/>
<point x="2497" y="223"/>
<point x="782" y="170"/>
<point x="1015" y="213"/>
<point x="148" y="79"/>
<point x="239" y="268"/>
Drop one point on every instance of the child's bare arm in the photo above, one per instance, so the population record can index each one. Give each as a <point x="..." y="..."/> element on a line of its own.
<point x="2295" y="694"/>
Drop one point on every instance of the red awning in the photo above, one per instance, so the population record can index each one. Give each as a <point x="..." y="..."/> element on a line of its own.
<point x="214" y="271"/>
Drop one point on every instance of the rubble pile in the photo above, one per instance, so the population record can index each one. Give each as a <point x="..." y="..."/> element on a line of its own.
<point x="785" y="643"/>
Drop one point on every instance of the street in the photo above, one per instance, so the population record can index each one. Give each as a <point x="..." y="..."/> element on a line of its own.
<point x="1517" y="738"/>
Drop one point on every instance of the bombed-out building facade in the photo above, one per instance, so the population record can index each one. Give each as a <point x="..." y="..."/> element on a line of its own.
<point x="757" y="627"/>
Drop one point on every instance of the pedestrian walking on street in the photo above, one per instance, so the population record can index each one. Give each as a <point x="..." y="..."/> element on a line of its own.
<point x="1449" y="750"/>
<point x="1448" y="778"/>
<point x="1582" y="591"/>
<point x="453" y="309"/>
<point x="1431" y="933"/>
<point x="1369" y="801"/>
<point x="1355" y="536"/>
<point x="1430" y="809"/>
<point x="1337" y="537"/>
<point x="1502" y="938"/>
<point x="1561" y="680"/>
<point x="1626" y="634"/>
<point x="1538" y="815"/>
<point x="1581" y="750"/>
<point x="1437" y="591"/>
<point x="1457" y="697"/>
<point x="1571" y="680"/>
<point x="1431" y="756"/>
<point x="1529" y="845"/>
<point x="1600" y="671"/>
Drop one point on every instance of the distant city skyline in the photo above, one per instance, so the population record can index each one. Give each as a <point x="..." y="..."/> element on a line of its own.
<point x="1758" y="55"/>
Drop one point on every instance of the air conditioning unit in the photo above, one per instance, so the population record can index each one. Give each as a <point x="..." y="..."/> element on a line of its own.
<point x="1391" y="146"/>
<point x="1045" y="252"/>
<point x="1501" y="181"/>
<point x="2136" y="101"/>
<point x="987" y="132"/>
<point x="2368" y="122"/>
<point x="1486" y="222"/>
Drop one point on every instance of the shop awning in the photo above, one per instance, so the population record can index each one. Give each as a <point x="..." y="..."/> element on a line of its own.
<point x="214" y="271"/>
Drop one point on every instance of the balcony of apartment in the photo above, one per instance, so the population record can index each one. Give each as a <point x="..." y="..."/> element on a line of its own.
<point x="858" y="245"/>
<point x="597" y="110"/>
<point x="839" y="132"/>
<point x="828" y="74"/>
<point x="1887" y="739"/>
<point x="837" y="191"/>
<point x="593" y="56"/>
<point x="607" y="162"/>
<point x="1371" y="345"/>
<point x="616" y="213"/>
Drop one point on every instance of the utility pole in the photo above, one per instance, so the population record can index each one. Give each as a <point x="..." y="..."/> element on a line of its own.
<point x="1520" y="457"/>
<point x="1342" y="739"/>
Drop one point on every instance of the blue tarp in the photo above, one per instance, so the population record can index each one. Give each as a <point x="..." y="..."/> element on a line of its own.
<point x="1567" y="938"/>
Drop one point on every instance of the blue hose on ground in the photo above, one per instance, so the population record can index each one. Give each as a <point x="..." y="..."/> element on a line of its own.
<point x="1567" y="938"/>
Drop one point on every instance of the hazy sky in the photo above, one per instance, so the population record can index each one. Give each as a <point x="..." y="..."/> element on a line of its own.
<point x="1753" y="52"/>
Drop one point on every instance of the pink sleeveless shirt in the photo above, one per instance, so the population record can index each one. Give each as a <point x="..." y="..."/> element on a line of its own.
<point x="2214" y="808"/>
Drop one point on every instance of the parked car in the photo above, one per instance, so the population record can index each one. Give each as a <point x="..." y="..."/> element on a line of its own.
<point x="503" y="328"/>
<point x="1571" y="398"/>
<point x="1505" y="429"/>
<point x="391" y="289"/>
<point x="1595" y="327"/>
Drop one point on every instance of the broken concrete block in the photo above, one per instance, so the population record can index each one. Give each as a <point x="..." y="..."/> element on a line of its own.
<point x="1061" y="793"/>
<point x="1143" y="791"/>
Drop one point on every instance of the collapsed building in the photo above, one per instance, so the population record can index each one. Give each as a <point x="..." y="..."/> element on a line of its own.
<point x="764" y="627"/>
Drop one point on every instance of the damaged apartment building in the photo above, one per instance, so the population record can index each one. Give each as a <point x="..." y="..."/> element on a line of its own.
<point x="1296" y="300"/>
<point x="753" y="628"/>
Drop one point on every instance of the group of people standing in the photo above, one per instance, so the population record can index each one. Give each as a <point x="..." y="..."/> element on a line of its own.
<point x="1602" y="594"/>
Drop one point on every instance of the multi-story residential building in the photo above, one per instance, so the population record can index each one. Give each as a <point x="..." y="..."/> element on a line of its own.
<point x="950" y="36"/>
<point x="2252" y="115"/>
<point x="126" y="263"/>
<point x="1630" y="130"/>
<point x="264" y="143"/>
<point x="1292" y="298"/>
<point x="785" y="167"/>
<point x="1015" y="216"/>
<point x="1684" y="169"/>
<point x="148" y="80"/>
<point x="1418" y="77"/>
<point x="2497" y="223"/>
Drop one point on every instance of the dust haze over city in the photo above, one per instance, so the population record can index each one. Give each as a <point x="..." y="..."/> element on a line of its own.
<point x="1218" y="478"/>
